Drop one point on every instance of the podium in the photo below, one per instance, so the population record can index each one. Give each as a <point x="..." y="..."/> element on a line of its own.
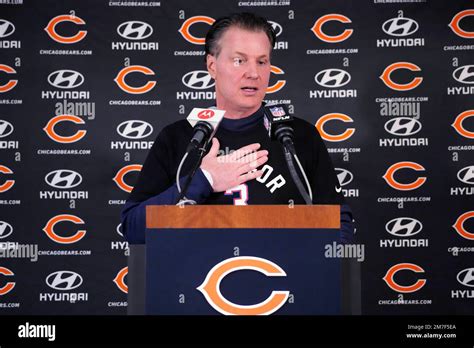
<point x="213" y="260"/>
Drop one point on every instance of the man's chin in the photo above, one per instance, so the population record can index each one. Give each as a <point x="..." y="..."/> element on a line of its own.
<point x="252" y="102"/>
<point x="251" y="107"/>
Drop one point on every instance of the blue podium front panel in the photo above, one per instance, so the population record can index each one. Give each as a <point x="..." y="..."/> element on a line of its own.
<point x="242" y="272"/>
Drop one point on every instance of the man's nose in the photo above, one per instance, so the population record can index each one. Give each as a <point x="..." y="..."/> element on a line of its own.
<point x="252" y="71"/>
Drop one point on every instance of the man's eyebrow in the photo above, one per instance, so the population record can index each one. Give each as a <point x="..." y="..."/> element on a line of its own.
<point x="245" y="55"/>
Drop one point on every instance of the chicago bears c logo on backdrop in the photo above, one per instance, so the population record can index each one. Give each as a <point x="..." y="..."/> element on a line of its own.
<point x="119" y="178"/>
<point x="51" y="132"/>
<point x="280" y="83"/>
<point x="186" y="26"/>
<point x="210" y="288"/>
<point x="330" y="117"/>
<point x="458" y="124"/>
<point x="51" y="29"/>
<point x="119" y="280"/>
<point x="124" y="86"/>
<point x="49" y="229"/>
<point x="387" y="79"/>
<point x="456" y="28"/>
<point x="8" y="184"/>
<point x="317" y="28"/>
<point x="459" y="225"/>
<point x="389" y="278"/>
<point x="389" y="176"/>
<point x="11" y="83"/>
<point x="9" y="285"/>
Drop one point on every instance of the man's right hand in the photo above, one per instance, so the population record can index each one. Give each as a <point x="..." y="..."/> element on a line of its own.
<point x="233" y="169"/>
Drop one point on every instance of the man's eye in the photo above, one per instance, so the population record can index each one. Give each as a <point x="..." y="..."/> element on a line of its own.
<point x="238" y="61"/>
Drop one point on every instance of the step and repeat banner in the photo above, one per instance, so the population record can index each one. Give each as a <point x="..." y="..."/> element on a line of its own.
<point x="85" y="87"/>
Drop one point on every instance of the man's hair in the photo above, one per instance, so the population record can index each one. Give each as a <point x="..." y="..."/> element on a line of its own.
<point x="244" y="20"/>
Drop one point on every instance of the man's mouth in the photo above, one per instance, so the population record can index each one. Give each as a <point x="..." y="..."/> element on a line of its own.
<point x="249" y="89"/>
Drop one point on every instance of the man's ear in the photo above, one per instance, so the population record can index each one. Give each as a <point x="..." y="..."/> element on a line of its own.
<point x="211" y="65"/>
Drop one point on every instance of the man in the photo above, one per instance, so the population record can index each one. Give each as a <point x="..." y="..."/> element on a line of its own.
<point x="251" y="169"/>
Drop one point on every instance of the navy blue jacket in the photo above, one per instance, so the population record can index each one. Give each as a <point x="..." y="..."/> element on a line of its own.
<point x="156" y="183"/>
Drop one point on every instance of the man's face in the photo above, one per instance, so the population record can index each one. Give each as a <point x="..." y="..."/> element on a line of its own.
<point x="241" y="71"/>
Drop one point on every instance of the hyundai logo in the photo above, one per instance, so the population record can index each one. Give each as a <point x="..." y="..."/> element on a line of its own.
<point x="134" y="30"/>
<point x="198" y="79"/>
<point x="332" y="78"/>
<point x="403" y="227"/>
<point x="466" y="175"/>
<point x="400" y="26"/>
<point x="6" y="128"/>
<point x="6" y="28"/>
<point x="402" y="126"/>
<point x="344" y="176"/>
<point x="119" y="230"/>
<point x="65" y="79"/>
<point x="134" y="129"/>
<point x="464" y="74"/>
<point x="63" y="179"/>
<point x="466" y="277"/>
<point x="5" y="229"/>
<point x="64" y="280"/>
<point x="276" y="28"/>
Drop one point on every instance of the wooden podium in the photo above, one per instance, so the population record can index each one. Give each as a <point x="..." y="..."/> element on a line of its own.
<point x="242" y="260"/>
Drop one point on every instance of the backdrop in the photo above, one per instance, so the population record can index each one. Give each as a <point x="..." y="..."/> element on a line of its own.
<point x="85" y="87"/>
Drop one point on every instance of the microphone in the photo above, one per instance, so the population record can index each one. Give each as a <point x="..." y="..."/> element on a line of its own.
<point x="278" y="123"/>
<point x="205" y="123"/>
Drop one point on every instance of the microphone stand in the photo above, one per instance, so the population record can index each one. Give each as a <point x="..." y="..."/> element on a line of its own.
<point x="202" y="130"/>
<point x="285" y="137"/>
<point x="291" y="166"/>
<point x="195" y="167"/>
